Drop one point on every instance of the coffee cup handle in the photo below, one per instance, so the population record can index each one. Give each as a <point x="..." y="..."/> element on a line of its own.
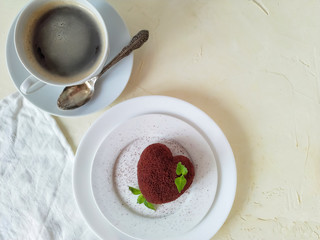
<point x="30" y="85"/>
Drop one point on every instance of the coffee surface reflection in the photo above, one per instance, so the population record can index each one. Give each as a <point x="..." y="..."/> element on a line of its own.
<point x="66" y="41"/>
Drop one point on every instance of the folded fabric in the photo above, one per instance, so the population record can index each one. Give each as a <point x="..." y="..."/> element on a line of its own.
<point x="36" y="200"/>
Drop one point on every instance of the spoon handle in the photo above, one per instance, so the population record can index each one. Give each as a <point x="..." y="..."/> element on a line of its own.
<point x="136" y="42"/>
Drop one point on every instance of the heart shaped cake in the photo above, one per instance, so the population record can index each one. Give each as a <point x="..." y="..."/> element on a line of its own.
<point x="157" y="174"/>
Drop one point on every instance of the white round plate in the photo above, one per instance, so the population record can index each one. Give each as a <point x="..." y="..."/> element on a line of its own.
<point x="108" y="88"/>
<point x="115" y="169"/>
<point x="227" y="177"/>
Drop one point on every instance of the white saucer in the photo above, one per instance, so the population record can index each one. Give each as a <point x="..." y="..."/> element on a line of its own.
<point x="227" y="177"/>
<point x="115" y="169"/>
<point x="108" y="88"/>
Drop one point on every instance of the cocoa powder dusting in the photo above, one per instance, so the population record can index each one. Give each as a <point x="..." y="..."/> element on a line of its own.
<point x="157" y="172"/>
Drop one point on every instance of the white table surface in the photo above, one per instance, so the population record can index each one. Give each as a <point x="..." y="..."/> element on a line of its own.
<point x="251" y="65"/>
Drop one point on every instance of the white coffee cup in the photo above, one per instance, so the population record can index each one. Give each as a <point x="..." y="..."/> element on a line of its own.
<point x="60" y="42"/>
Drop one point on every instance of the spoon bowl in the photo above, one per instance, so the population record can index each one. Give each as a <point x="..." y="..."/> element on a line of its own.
<point x="77" y="95"/>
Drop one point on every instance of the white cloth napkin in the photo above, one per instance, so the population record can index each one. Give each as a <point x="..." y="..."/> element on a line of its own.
<point x="36" y="200"/>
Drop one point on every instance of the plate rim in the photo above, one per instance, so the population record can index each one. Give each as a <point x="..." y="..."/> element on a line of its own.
<point x="229" y="165"/>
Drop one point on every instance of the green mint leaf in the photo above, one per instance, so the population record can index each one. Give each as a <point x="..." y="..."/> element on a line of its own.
<point x="149" y="205"/>
<point x="141" y="199"/>
<point x="180" y="183"/>
<point x="184" y="170"/>
<point x="134" y="190"/>
<point x="181" y="169"/>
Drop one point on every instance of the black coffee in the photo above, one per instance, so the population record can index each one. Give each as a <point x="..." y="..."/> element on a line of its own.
<point x="66" y="41"/>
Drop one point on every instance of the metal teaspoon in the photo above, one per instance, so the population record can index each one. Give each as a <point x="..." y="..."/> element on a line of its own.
<point x="75" y="96"/>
